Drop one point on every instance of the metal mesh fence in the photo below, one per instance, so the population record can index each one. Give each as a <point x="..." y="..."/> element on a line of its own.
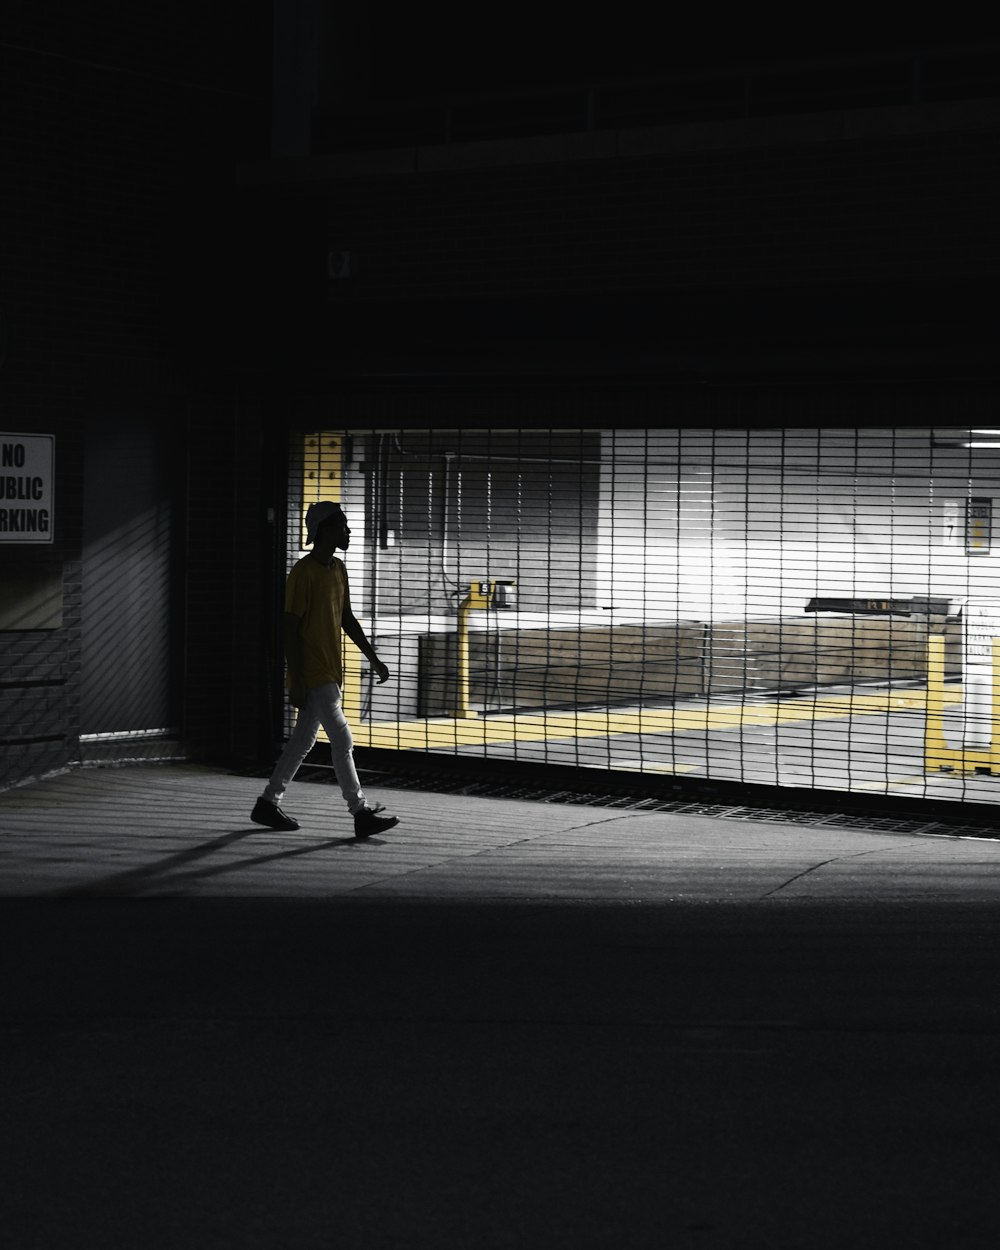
<point x="791" y="607"/>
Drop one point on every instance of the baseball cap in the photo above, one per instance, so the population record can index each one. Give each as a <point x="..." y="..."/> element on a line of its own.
<point x="316" y="514"/>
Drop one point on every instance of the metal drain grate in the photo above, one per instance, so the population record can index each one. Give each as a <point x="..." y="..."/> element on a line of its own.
<point x="444" y="784"/>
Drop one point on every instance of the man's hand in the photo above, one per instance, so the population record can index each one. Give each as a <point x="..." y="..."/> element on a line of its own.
<point x="380" y="671"/>
<point x="298" y="692"/>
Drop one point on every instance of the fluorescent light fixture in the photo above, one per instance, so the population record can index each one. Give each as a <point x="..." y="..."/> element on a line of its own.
<point x="959" y="441"/>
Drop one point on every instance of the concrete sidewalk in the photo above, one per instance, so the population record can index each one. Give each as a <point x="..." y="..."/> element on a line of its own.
<point x="503" y="1024"/>
<point x="183" y="831"/>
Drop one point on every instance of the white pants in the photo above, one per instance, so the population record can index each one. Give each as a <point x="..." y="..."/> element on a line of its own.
<point x="321" y="708"/>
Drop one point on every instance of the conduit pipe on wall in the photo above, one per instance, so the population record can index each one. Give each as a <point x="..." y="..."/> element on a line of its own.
<point x="482" y="596"/>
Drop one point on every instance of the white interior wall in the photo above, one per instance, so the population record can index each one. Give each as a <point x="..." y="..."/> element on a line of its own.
<point x="716" y="524"/>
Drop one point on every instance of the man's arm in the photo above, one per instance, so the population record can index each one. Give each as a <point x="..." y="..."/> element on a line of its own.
<point x="298" y="692"/>
<point x="352" y="628"/>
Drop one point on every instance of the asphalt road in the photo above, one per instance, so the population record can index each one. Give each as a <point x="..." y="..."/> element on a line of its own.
<point x="343" y="1073"/>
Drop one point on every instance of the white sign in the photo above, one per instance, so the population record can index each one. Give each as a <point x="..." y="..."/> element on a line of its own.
<point x="978" y="526"/>
<point x="953" y="516"/>
<point x="27" y="488"/>
<point x="982" y="624"/>
<point x="981" y="618"/>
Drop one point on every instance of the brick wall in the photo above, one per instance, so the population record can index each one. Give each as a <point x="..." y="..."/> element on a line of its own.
<point x="40" y="687"/>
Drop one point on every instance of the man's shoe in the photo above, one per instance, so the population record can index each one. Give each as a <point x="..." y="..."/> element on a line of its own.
<point x="267" y="813"/>
<point x="368" y="821"/>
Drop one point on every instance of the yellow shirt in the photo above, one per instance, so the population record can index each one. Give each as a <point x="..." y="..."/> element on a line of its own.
<point x="317" y="595"/>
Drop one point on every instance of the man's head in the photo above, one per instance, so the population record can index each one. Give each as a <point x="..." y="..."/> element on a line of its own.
<point x="326" y="522"/>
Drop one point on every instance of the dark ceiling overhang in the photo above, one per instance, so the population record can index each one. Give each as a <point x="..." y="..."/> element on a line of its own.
<point x="777" y="330"/>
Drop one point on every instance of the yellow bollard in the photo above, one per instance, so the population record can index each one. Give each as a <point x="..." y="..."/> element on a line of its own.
<point x="995" y="710"/>
<point x="938" y="756"/>
<point x="937" y="753"/>
<point x="350" y="695"/>
<point x="477" y="598"/>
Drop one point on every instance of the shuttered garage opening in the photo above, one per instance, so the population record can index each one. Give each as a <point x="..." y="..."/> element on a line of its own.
<point x="786" y="607"/>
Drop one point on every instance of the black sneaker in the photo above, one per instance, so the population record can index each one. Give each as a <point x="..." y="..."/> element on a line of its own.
<point x="267" y="813"/>
<point x="368" y="821"/>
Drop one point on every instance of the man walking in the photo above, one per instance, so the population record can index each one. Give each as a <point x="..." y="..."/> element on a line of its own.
<point x="317" y="608"/>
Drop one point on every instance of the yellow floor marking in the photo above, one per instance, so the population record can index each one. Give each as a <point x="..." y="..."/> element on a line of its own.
<point x="671" y="769"/>
<point x="424" y="734"/>
<point x="888" y="783"/>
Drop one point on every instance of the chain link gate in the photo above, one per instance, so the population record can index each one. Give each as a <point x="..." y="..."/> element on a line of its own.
<point x="784" y="607"/>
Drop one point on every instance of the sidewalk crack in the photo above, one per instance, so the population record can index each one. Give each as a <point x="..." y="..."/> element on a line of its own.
<point x="836" y="859"/>
<point x="587" y="824"/>
<point x="485" y="850"/>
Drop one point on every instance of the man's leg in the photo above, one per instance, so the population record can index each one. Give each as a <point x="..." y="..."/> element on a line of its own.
<point x="331" y="715"/>
<point x="366" y="819"/>
<point x="296" y="749"/>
